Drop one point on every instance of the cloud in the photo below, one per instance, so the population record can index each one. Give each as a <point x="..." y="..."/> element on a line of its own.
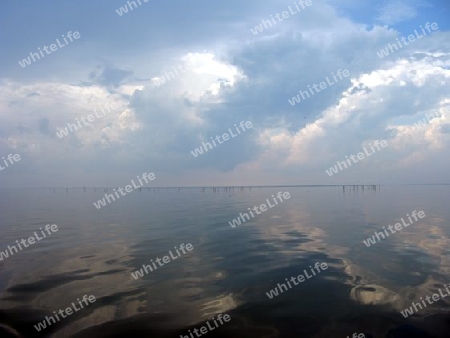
<point x="395" y="11"/>
<point x="108" y="76"/>
<point x="44" y="126"/>
<point x="238" y="77"/>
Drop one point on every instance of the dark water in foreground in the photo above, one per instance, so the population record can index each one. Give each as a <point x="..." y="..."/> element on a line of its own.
<point x="229" y="270"/>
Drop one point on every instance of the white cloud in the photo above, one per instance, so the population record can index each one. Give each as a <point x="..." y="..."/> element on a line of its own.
<point x="395" y="11"/>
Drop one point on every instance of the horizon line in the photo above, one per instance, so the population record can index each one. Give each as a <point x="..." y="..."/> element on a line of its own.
<point x="231" y="186"/>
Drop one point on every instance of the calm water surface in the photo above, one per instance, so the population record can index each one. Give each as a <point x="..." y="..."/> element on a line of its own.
<point x="230" y="269"/>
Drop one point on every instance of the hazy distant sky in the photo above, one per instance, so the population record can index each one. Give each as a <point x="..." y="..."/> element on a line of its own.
<point x="235" y="76"/>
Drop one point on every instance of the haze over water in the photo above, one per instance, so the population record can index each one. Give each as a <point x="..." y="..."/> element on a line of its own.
<point x="230" y="269"/>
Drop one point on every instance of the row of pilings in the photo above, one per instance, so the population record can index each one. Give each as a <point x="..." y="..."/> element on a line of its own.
<point x="362" y="188"/>
<point x="229" y="189"/>
<point x="226" y="189"/>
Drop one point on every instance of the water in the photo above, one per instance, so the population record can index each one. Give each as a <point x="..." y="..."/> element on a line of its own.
<point x="229" y="270"/>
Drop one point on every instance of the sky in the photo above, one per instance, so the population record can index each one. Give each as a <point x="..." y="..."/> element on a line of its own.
<point x="225" y="74"/>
